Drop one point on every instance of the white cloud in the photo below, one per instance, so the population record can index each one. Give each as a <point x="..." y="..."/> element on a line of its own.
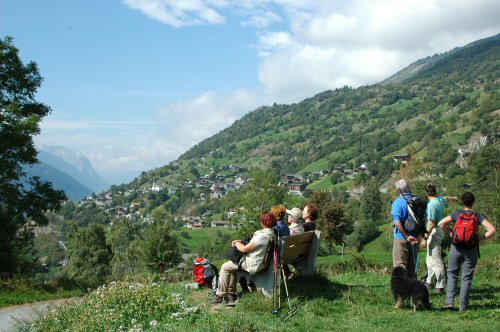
<point x="275" y="39"/>
<point x="331" y="44"/>
<point x="180" y="13"/>
<point x="325" y="44"/>
<point x="189" y="122"/>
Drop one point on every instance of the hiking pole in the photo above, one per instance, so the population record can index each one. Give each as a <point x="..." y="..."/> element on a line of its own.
<point x="278" y="270"/>
<point x="276" y="276"/>
<point x="286" y="288"/>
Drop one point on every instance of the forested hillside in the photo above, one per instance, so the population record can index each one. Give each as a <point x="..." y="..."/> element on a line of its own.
<point x="431" y="109"/>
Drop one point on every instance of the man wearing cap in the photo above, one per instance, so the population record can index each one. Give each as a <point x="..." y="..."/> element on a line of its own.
<point x="296" y="227"/>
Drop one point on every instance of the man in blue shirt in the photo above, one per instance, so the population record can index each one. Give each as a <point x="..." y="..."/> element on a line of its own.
<point x="405" y="244"/>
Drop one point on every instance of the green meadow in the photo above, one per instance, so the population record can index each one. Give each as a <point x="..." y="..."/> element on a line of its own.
<point x="349" y="293"/>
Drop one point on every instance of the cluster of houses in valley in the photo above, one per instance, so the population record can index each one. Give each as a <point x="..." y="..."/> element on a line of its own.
<point x="198" y="222"/>
<point x="215" y="185"/>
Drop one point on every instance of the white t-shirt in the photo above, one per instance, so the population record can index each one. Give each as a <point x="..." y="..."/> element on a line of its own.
<point x="260" y="239"/>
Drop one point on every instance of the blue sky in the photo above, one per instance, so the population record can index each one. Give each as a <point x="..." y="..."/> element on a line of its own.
<point x="132" y="84"/>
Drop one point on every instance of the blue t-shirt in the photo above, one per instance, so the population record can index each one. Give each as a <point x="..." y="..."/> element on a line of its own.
<point x="283" y="229"/>
<point x="399" y="212"/>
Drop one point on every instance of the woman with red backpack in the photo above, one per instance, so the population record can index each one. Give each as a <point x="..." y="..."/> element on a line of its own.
<point x="464" y="250"/>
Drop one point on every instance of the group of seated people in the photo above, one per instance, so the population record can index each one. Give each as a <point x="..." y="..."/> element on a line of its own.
<point x="286" y="223"/>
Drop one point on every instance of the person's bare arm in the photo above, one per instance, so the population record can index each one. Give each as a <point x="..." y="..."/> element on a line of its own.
<point x="245" y="248"/>
<point x="451" y="198"/>
<point x="430" y="227"/>
<point x="444" y="224"/>
<point x="490" y="229"/>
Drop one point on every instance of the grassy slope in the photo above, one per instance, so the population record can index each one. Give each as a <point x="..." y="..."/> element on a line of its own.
<point x="205" y="235"/>
<point x="347" y="295"/>
<point x="15" y="292"/>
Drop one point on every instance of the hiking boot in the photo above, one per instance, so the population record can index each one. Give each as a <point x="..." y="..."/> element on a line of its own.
<point x="439" y="291"/>
<point x="217" y="300"/>
<point x="231" y="299"/>
<point x="448" y="307"/>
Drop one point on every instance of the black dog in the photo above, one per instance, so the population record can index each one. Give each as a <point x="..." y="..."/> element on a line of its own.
<point x="403" y="288"/>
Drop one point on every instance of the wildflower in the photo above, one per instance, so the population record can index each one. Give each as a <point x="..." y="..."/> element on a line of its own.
<point x="175" y="315"/>
<point x="153" y="324"/>
<point x="191" y="309"/>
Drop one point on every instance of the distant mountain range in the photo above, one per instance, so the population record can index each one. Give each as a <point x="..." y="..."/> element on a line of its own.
<point x="69" y="171"/>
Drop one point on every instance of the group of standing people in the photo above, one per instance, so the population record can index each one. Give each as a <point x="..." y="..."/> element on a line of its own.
<point x="406" y="244"/>
<point x="280" y="220"/>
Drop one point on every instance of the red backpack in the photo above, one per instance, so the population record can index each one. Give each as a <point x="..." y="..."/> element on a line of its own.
<point x="466" y="230"/>
<point x="204" y="273"/>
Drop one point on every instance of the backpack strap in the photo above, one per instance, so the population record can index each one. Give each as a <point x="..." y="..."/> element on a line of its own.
<point x="216" y="271"/>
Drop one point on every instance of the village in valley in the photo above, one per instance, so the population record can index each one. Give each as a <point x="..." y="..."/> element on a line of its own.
<point x="134" y="201"/>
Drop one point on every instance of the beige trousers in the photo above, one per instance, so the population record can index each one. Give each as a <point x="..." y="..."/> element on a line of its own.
<point x="435" y="263"/>
<point x="402" y="256"/>
<point x="227" y="279"/>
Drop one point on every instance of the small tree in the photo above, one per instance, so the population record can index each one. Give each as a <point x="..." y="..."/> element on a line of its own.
<point x="160" y="249"/>
<point x="90" y="256"/>
<point x="332" y="222"/>
<point x="122" y="237"/>
<point x="371" y="203"/>
<point x="262" y="192"/>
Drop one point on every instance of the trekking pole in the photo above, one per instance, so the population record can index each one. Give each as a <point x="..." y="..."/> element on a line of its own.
<point x="286" y="287"/>
<point x="278" y="270"/>
<point x="276" y="276"/>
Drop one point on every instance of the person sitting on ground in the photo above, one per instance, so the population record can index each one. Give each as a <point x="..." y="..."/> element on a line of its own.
<point x="279" y="213"/>
<point x="309" y="215"/>
<point x="296" y="227"/>
<point x="434" y="237"/>
<point x="463" y="256"/>
<point x="253" y="261"/>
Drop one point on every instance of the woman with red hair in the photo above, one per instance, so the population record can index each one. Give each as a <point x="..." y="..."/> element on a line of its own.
<point x="253" y="261"/>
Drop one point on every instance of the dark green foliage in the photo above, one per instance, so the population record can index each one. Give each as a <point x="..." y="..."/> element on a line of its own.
<point x="364" y="232"/>
<point x="89" y="256"/>
<point x="123" y="238"/>
<point x="22" y="199"/>
<point x="259" y="195"/>
<point x="371" y="202"/>
<point x="160" y="249"/>
<point x="332" y="221"/>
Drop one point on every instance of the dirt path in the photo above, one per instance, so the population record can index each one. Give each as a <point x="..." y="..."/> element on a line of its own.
<point x="12" y="316"/>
